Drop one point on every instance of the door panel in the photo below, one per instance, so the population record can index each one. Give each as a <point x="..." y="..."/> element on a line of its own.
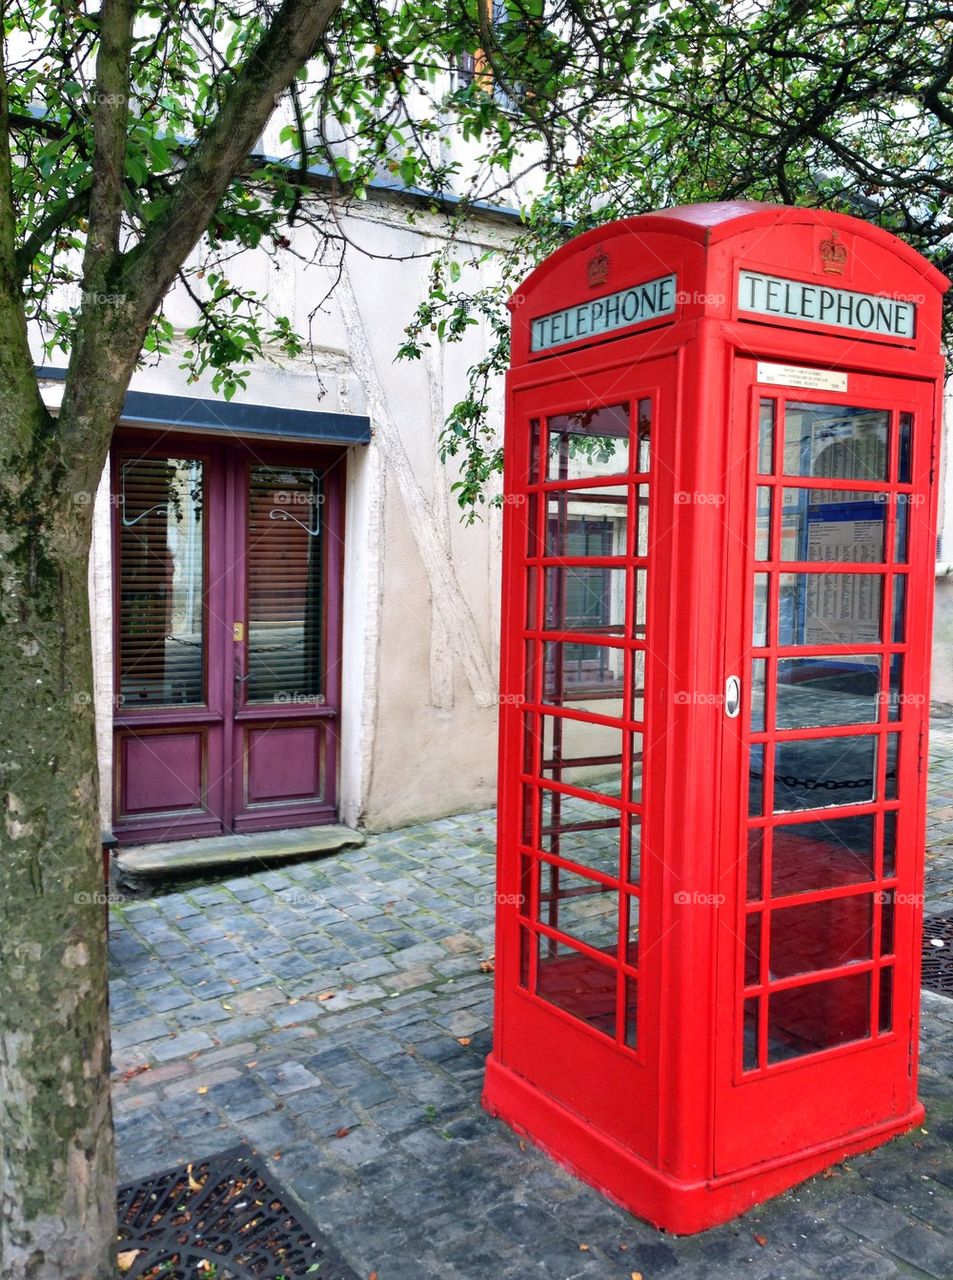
<point x="227" y="577"/>
<point x="822" y="765"/>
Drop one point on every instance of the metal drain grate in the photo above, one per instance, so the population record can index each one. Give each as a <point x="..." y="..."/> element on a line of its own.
<point x="226" y="1220"/>
<point x="938" y="954"/>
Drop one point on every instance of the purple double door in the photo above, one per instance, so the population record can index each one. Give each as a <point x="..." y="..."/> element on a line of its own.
<point x="227" y="563"/>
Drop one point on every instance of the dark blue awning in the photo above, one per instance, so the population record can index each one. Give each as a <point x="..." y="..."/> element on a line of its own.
<point x="224" y="417"/>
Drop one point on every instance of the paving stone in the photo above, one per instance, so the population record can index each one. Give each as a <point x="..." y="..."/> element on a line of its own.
<point x="179" y="1046"/>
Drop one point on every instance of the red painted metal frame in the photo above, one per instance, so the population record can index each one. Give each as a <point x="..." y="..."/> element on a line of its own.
<point x="222" y="717"/>
<point x="675" y="1129"/>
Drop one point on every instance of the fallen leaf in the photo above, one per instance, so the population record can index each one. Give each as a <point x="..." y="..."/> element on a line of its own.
<point x="464" y="1040"/>
<point x="372" y="1276"/>
<point x="584" y="1248"/>
<point x="488" y="965"/>
<point x="194" y="1184"/>
<point x="252" y="1064"/>
<point x="342" y="1132"/>
<point x="522" y="1145"/>
<point x="326" y="995"/>
<point x="636" y="1275"/>
<point x="226" y="1006"/>
<point x="761" y="1240"/>
<point x="134" y="1071"/>
<point x="275" y="1155"/>
<point x="127" y="1258"/>
<point x="203" y="1088"/>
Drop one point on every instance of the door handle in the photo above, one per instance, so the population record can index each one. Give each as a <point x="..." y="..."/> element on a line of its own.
<point x="732" y="696"/>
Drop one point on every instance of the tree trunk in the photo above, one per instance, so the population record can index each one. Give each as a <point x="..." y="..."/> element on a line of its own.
<point x="57" y="1175"/>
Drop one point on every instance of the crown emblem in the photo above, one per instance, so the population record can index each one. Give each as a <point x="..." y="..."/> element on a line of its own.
<point x="834" y="255"/>
<point x="598" y="268"/>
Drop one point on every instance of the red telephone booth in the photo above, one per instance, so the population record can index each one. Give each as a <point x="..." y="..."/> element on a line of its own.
<point x="718" y="576"/>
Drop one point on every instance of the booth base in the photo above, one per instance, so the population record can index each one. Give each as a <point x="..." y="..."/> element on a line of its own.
<point x="680" y="1207"/>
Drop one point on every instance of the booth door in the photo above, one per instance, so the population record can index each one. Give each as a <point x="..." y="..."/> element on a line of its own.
<point x="584" y="485"/>
<point x="226" y="576"/>
<point x="819" y="965"/>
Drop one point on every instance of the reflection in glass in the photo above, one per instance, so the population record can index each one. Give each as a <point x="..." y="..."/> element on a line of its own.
<point x="755" y="861"/>
<point x="840" y="441"/>
<point x="641" y="492"/>
<point x="831" y="690"/>
<point x="818" y="1016"/>
<point x="815" y="773"/>
<point x="900" y="529"/>
<point x="752" y="1032"/>
<point x="161" y="582"/>
<point x="839" y="526"/>
<point x="579" y="984"/>
<point x="284" y="566"/>
<point x="899" y="607"/>
<point x="895" y="699"/>
<point x="635" y="850"/>
<point x="639" y="603"/>
<point x="821" y="935"/>
<point x="592" y="442"/>
<point x="756" y="781"/>
<point x="581" y="831"/>
<point x="578" y="672"/>
<point x="638" y="685"/>
<point x="905" y="449"/>
<point x="885" y="1018"/>
<point x="644" y="430"/>
<point x="766" y="437"/>
<point x="582" y="754"/>
<point x="759" y="668"/>
<point x="586" y="522"/>
<point x="890" y="844"/>
<point x="753" y="949"/>
<point x="822" y="855"/>
<point x="638" y="744"/>
<point x="584" y="909"/>
<point x="886" y="924"/>
<point x="890" y="785"/>
<point x="630" y="1034"/>
<point x="762" y="530"/>
<point x="829" y="608"/>
<point x="585" y="598"/>
<point x="759" y="621"/>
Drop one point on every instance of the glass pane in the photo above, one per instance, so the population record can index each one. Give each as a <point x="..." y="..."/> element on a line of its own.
<point x="836" y="525"/>
<point x="815" y="773"/>
<point x="580" y="598"/>
<point x="829" y="608"/>
<point x="821" y="935"/>
<point x="582" y="831"/>
<point x="592" y="442"/>
<point x="584" y="909"/>
<point x="582" y="754"/>
<point x="886" y="923"/>
<point x="639" y="603"/>
<point x="577" y="983"/>
<point x="766" y="437"/>
<point x="630" y="1034"/>
<point x="586" y="522"/>
<point x="635" y="850"/>
<point x="753" y="949"/>
<point x="756" y="782"/>
<point x="759" y="668"/>
<point x="822" y="1015"/>
<point x="284" y="566"/>
<point x="642" y="520"/>
<point x="762" y="524"/>
<point x="752" y="1027"/>
<point x="840" y="441"/>
<point x="759" y="622"/>
<point x="638" y="685"/>
<point x="890" y="844"/>
<point x="900" y="529"/>
<point x="885" y="1020"/>
<point x="890" y="786"/>
<point x="895" y="696"/>
<point x="755" y="860"/>
<point x="161" y="582"/>
<point x="899" y="607"/>
<point x="585" y="673"/>
<point x="905" y="449"/>
<point x="638" y="750"/>
<point x="644" y="435"/>
<point x="814" y="692"/>
<point x="822" y="855"/>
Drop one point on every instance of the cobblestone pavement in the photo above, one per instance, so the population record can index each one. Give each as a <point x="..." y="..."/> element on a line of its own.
<point x="334" y="1015"/>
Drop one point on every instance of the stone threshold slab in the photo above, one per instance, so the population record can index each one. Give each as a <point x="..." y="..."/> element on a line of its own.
<point x="234" y="850"/>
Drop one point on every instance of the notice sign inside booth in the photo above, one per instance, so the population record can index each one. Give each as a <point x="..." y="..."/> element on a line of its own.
<point x="594" y="318"/>
<point x="821" y="304"/>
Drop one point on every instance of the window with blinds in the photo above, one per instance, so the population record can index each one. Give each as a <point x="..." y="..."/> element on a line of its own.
<point x="161" y="581"/>
<point x="284" y="566"/>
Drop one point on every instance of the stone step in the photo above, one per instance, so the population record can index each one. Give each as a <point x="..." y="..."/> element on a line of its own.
<point x="176" y="857"/>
